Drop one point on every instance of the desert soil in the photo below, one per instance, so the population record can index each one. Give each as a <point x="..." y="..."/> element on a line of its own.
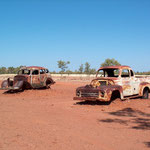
<point x="51" y="120"/>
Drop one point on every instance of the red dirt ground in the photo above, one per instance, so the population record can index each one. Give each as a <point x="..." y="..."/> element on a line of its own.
<point x="51" y="120"/>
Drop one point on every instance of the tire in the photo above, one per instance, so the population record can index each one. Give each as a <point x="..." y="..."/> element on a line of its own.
<point x="145" y="94"/>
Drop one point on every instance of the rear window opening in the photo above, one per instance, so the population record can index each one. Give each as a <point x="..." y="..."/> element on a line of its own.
<point x="47" y="71"/>
<point x="42" y="71"/>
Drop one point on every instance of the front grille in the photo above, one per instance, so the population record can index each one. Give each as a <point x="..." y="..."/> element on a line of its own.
<point x="89" y="94"/>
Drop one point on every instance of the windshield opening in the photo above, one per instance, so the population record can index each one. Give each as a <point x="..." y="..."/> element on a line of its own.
<point x="108" y="73"/>
<point x="24" y="72"/>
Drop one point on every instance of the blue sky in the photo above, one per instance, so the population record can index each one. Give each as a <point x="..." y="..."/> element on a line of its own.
<point x="41" y="32"/>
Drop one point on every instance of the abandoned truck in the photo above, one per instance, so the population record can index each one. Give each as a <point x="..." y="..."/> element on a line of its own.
<point x="29" y="78"/>
<point x="114" y="82"/>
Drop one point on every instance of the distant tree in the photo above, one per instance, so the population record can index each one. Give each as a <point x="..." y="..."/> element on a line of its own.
<point x="69" y="72"/>
<point x="142" y="73"/>
<point x="110" y="62"/>
<point x="81" y="69"/>
<point x="11" y="70"/>
<point x="87" y="68"/>
<point x="76" y="72"/>
<point x="17" y="69"/>
<point x="3" y="70"/>
<point x="53" y="72"/>
<point x="93" y="71"/>
<point x="63" y="65"/>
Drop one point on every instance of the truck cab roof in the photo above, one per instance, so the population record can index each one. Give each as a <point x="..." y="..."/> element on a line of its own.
<point x="115" y="67"/>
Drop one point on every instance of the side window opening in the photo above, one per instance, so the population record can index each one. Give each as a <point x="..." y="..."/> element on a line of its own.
<point x="125" y="73"/>
<point x="35" y="72"/>
<point x="42" y="71"/>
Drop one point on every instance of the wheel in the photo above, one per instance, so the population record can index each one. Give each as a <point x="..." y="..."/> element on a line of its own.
<point x="145" y="94"/>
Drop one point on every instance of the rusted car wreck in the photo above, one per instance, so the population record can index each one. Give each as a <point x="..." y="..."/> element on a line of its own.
<point x="29" y="78"/>
<point x="114" y="82"/>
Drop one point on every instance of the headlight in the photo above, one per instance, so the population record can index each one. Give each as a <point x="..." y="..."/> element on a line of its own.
<point x="102" y="93"/>
<point x="78" y="93"/>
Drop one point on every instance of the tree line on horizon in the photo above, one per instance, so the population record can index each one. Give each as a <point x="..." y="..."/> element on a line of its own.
<point x="63" y="66"/>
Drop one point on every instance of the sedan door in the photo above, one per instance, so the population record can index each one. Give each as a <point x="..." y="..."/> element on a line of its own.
<point x="35" y="79"/>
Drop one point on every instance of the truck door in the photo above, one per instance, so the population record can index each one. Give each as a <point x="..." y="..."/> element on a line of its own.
<point x="135" y="83"/>
<point x="126" y="82"/>
<point x="35" y="78"/>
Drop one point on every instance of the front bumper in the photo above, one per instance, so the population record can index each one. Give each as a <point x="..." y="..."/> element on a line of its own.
<point x="10" y="88"/>
<point x="90" y="99"/>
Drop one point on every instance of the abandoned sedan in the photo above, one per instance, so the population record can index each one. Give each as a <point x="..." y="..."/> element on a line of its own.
<point x="28" y="78"/>
<point x="114" y="82"/>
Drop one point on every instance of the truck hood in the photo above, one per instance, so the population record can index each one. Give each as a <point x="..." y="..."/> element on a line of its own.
<point x="88" y="88"/>
<point x="106" y="78"/>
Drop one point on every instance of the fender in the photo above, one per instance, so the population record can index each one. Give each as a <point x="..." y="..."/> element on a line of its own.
<point x="108" y="91"/>
<point x="18" y="85"/>
<point x="117" y="88"/>
<point x="142" y="86"/>
<point x="49" y="80"/>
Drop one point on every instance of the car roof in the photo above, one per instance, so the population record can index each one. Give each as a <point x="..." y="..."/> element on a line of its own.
<point x="115" y="67"/>
<point x="33" y="67"/>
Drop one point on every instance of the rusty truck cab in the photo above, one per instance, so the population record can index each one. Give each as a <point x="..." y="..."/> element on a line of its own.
<point x="123" y="76"/>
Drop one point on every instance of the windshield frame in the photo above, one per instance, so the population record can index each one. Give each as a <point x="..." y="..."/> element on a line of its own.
<point x="24" y="73"/>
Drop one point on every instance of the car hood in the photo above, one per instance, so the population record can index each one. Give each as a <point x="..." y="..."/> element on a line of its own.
<point x="20" y="77"/>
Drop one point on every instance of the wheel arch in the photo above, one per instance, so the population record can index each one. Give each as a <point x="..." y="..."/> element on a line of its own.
<point x="115" y="94"/>
<point x="144" y="86"/>
<point x="49" y="81"/>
